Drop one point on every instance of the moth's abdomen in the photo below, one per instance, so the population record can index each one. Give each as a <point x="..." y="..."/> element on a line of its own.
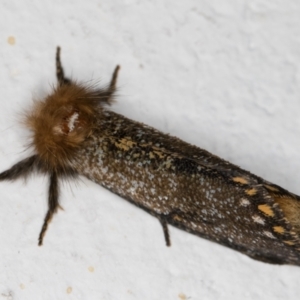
<point x="228" y="207"/>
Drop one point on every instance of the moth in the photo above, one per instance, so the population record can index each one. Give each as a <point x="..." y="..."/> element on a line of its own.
<point x="75" y="133"/>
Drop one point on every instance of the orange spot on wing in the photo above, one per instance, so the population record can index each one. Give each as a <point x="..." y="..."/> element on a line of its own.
<point x="251" y="192"/>
<point x="291" y="243"/>
<point x="240" y="180"/>
<point x="266" y="209"/>
<point x="278" y="229"/>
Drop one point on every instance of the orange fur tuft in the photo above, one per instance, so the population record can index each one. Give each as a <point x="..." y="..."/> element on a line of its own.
<point x="62" y="121"/>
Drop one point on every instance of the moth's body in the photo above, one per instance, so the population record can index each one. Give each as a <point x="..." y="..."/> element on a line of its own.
<point x="180" y="184"/>
<point x="185" y="186"/>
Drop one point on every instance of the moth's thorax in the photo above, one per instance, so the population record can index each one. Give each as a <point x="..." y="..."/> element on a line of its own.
<point x="62" y="121"/>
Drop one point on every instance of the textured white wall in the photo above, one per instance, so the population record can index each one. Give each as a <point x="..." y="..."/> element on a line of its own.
<point x="223" y="75"/>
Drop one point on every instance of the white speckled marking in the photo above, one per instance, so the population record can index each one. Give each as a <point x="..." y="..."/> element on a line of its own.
<point x="72" y="121"/>
<point x="258" y="219"/>
<point x="269" y="234"/>
<point x="244" y="202"/>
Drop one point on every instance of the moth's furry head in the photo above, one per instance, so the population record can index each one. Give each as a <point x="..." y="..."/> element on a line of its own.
<point x="62" y="121"/>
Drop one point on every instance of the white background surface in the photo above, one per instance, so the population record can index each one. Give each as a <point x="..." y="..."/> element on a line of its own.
<point x="223" y="75"/>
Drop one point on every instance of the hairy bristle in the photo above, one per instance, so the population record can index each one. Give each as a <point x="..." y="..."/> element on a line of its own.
<point x="62" y="121"/>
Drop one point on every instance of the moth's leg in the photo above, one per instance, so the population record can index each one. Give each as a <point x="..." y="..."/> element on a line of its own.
<point x="164" y="225"/>
<point x="53" y="204"/>
<point x="59" y="70"/>
<point x="20" y="169"/>
<point x="108" y="93"/>
<point x="113" y="81"/>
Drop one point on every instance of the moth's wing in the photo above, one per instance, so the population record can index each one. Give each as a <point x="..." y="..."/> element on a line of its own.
<point x="242" y="214"/>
